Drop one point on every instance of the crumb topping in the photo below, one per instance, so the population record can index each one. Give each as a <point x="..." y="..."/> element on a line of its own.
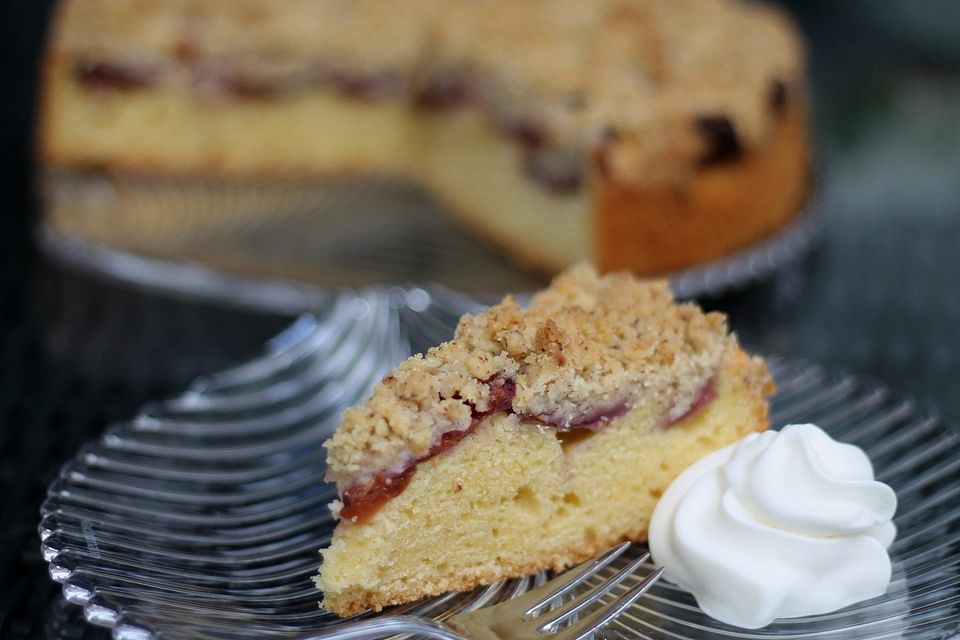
<point x="635" y="77"/>
<point x="585" y="344"/>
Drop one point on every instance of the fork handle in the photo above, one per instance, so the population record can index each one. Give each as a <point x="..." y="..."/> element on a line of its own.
<point x="386" y="627"/>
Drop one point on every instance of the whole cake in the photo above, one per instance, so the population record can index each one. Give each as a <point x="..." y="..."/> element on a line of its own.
<point x="638" y="134"/>
<point x="535" y="438"/>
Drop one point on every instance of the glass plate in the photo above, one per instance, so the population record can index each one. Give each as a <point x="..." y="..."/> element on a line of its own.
<point x="202" y="516"/>
<point x="285" y="245"/>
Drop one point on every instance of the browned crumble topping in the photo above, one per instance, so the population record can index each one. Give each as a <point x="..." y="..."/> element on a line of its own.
<point x="585" y="344"/>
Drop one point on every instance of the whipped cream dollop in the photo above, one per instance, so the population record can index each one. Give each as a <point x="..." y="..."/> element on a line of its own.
<point x="778" y="525"/>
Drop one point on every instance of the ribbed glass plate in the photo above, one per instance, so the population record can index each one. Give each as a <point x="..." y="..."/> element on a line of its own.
<point x="202" y="516"/>
<point x="285" y="245"/>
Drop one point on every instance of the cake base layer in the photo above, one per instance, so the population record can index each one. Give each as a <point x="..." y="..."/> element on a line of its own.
<point x="456" y="154"/>
<point x="515" y="497"/>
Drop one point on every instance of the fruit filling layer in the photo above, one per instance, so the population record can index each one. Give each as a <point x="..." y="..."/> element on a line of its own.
<point x="361" y="502"/>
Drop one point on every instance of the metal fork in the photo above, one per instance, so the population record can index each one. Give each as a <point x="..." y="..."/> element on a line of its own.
<point x="539" y="613"/>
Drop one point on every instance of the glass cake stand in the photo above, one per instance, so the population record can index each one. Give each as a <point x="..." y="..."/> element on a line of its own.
<point x="202" y="516"/>
<point x="287" y="246"/>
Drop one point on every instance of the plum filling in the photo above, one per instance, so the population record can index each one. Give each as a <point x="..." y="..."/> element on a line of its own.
<point x="502" y="391"/>
<point x="446" y="91"/>
<point x="557" y="172"/>
<point x="230" y="84"/>
<point x="361" y="502"/>
<point x="367" y="86"/>
<point x="221" y="80"/>
<point x="722" y="141"/>
<point x="593" y="420"/>
<point x="529" y="134"/>
<point x="104" y="75"/>
<point x="778" y="96"/>
<point x="707" y="393"/>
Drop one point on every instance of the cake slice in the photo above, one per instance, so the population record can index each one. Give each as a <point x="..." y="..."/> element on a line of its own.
<point x="535" y="438"/>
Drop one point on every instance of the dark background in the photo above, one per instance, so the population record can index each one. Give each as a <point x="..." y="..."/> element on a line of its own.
<point x="880" y="297"/>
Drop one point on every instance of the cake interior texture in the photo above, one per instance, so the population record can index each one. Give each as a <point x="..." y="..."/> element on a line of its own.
<point x="519" y="491"/>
